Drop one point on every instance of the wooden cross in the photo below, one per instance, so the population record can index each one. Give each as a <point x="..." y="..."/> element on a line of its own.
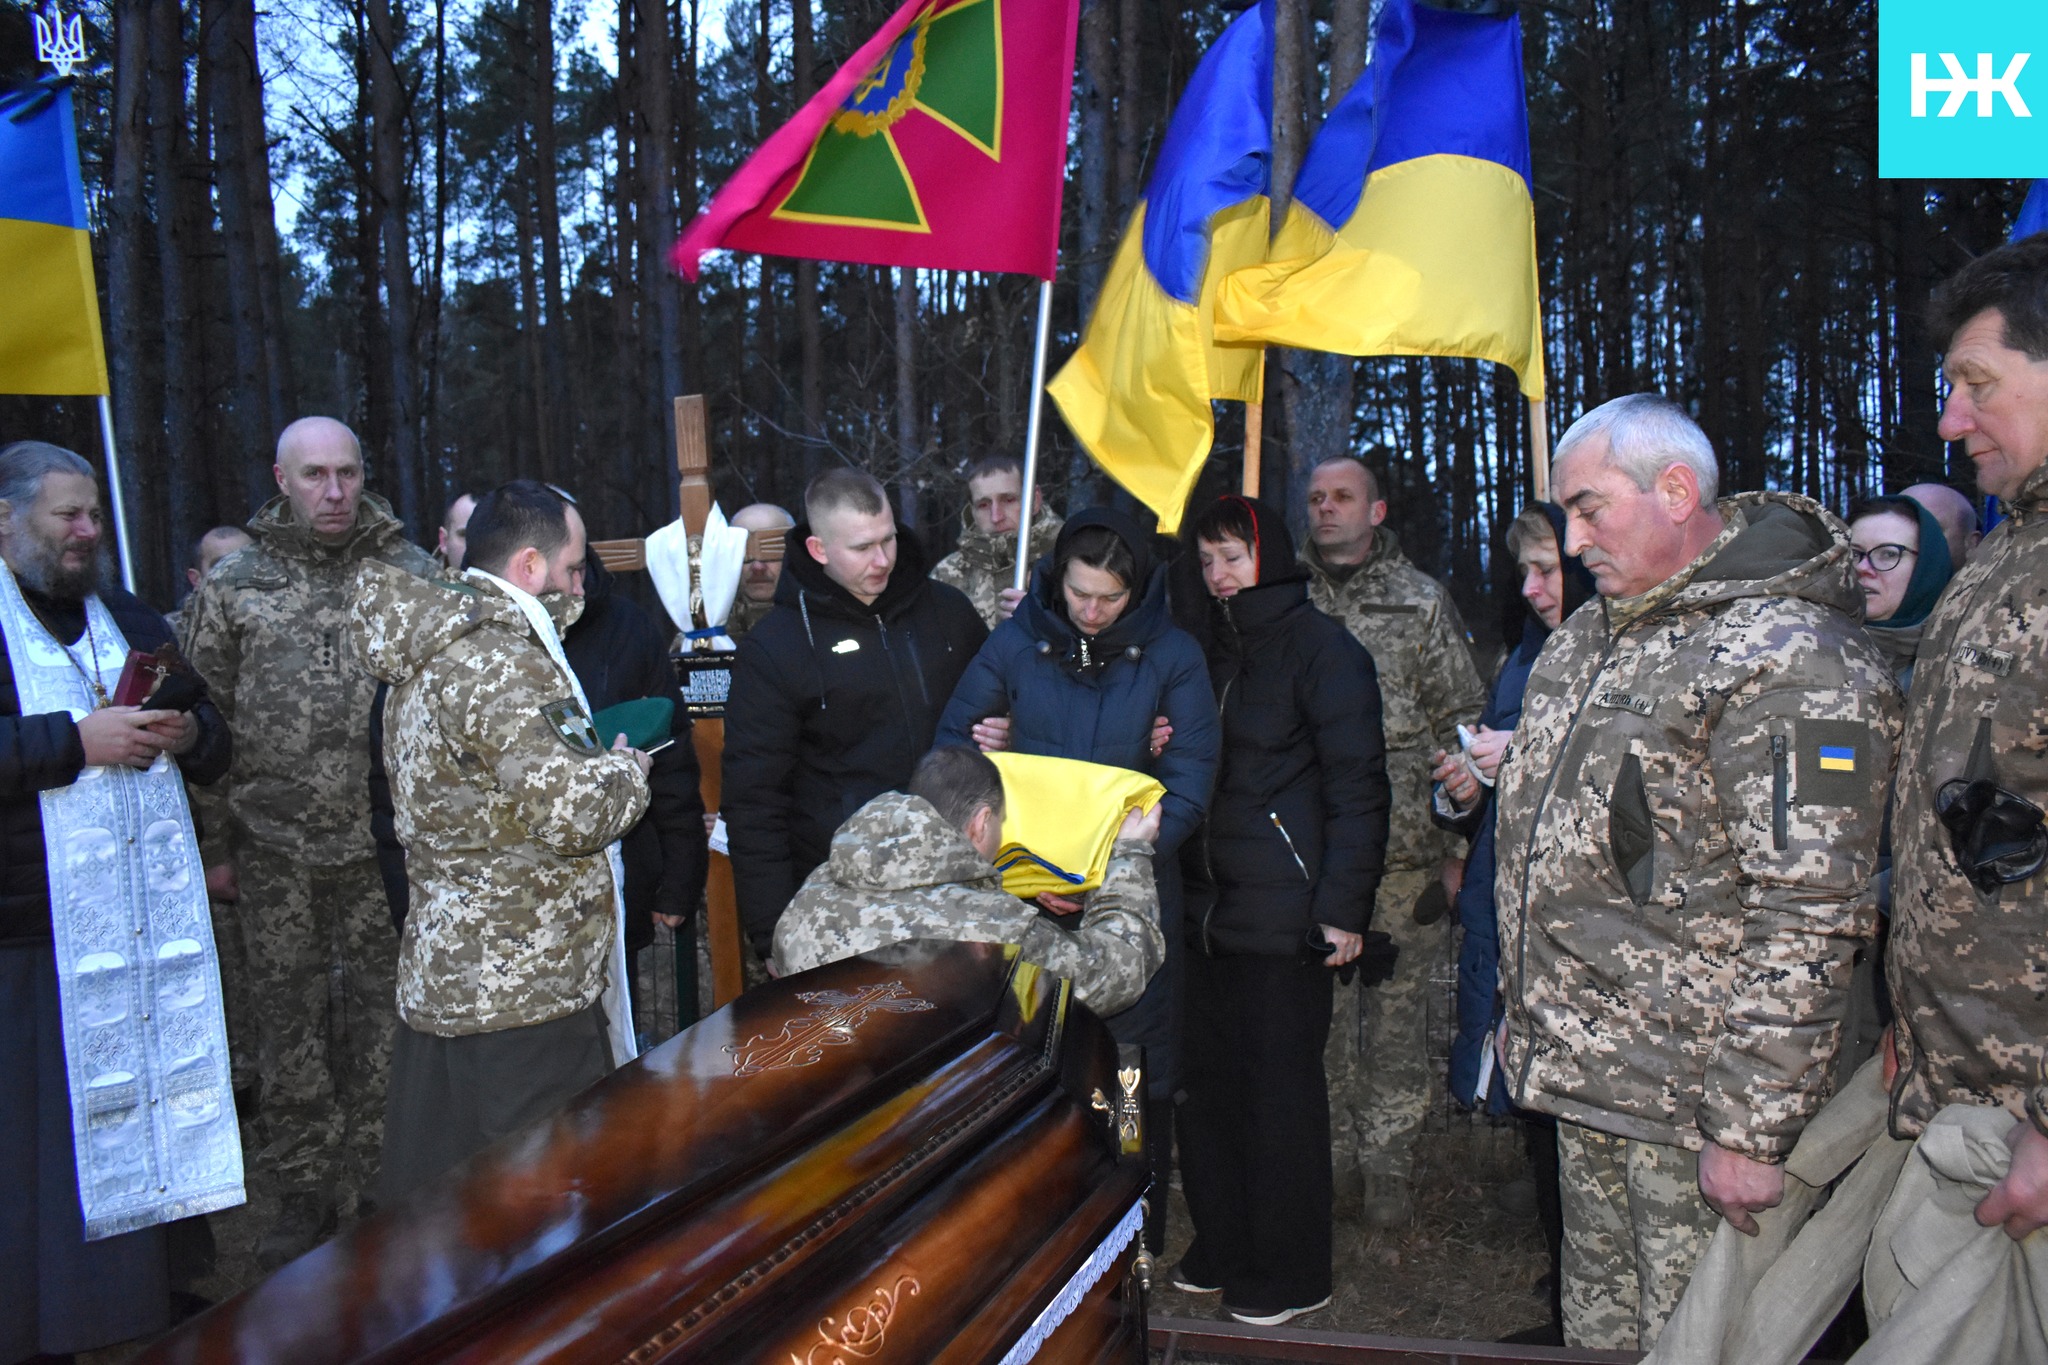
<point x="693" y="461"/>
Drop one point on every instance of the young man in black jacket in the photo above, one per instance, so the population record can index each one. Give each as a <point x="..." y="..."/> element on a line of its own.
<point x="836" y="694"/>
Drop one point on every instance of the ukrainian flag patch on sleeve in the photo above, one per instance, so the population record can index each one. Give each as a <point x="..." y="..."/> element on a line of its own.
<point x="1833" y="758"/>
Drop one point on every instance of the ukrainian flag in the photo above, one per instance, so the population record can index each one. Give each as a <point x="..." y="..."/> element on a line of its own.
<point x="1424" y="162"/>
<point x="1137" y="392"/>
<point x="50" y="320"/>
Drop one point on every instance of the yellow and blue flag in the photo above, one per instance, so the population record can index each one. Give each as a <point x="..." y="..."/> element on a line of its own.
<point x="1137" y="392"/>
<point x="1423" y="164"/>
<point x="50" y="324"/>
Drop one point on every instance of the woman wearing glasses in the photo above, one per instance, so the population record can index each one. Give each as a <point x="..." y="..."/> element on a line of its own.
<point x="1902" y="564"/>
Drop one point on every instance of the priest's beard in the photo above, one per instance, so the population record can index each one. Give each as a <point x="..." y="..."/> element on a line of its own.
<point x="39" y="566"/>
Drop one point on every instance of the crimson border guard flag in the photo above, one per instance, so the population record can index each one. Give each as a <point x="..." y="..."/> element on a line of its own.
<point x="1413" y="230"/>
<point x="940" y="145"/>
<point x="49" y="310"/>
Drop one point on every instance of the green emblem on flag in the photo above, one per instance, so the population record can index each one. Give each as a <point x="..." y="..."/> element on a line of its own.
<point x="949" y="66"/>
<point x="572" y="726"/>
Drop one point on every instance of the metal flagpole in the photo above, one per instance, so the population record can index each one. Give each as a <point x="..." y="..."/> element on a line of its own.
<point x="114" y="493"/>
<point x="1024" y="517"/>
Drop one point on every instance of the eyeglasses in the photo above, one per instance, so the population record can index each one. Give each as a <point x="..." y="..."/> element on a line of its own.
<point x="1997" y="836"/>
<point x="1883" y="558"/>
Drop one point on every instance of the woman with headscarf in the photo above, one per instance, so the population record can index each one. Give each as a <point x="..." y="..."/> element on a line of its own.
<point x="1083" y="669"/>
<point x="1902" y="564"/>
<point x="1280" y="882"/>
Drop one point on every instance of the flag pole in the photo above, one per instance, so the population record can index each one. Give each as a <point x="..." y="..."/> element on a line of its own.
<point x="1024" y="511"/>
<point x="1254" y="445"/>
<point x="1539" y="450"/>
<point x="114" y="493"/>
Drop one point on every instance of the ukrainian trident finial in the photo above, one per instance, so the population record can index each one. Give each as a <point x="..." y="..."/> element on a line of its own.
<point x="60" y="42"/>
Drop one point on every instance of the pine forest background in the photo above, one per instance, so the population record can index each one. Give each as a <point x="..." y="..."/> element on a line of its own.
<point x="446" y="222"/>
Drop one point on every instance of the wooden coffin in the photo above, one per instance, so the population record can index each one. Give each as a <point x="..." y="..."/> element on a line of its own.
<point x="921" y="1155"/>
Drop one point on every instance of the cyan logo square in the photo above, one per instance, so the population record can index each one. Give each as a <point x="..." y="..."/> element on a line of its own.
<point x="1962" y="88"/>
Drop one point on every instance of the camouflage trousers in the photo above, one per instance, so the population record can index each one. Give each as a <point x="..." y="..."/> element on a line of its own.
<point x="1635" y="1227"/>
<point x="1377" y="1059"/>
<point x="324" y="1055"/>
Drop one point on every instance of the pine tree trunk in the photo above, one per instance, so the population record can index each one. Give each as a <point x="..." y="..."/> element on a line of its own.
<point x="906" y="395"/>
<point x="1129" y="108"/>
<point x="391" y="210"/>
<point x="1098" y="148"/>
<point x="655" y="137"/>
<point x="138" y="422"/>
<point x="540" y="20"/>
<point x="177" y="231"/>
<point x="254" y="424"/>
<point x="809" y="320"/>
<point x="281" y="391"/>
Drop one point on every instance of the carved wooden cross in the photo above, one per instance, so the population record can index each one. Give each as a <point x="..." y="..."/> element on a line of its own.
<point x="693" y="460"/>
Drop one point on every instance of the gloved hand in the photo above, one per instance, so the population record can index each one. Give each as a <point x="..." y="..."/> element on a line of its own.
<point x="1376" y="960"/>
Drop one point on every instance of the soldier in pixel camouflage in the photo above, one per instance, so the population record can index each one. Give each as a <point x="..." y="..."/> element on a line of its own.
<point x="268" y="630"/>
<point x="1968" y="926"/>
<point x="504" y="800"/>
<point x="1377" y="1057"/>
<point x="917" y="865"/>
<point x="1689" y="825"/>
<point x="985" y="564"/>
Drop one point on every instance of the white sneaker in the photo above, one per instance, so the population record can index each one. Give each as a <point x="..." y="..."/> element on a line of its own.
<point x="1275" y="1319"/>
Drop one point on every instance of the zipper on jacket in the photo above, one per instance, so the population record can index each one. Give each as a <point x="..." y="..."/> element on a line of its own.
<point x="1293" y="852"/>
<point x="1209" y="868"/>
<point x="1535" y="825"/>
<point x="1780" y="797"/>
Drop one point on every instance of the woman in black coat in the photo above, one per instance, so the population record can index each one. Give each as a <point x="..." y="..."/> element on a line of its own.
<point x="1280" y="883"/>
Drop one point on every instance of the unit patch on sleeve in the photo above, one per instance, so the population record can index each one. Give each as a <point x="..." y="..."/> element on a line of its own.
<point x="572" y="725"/>
<point x="1833" y="762"/>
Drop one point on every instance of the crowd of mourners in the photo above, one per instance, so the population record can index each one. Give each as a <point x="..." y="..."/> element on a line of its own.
<point x="1741" y="855"/>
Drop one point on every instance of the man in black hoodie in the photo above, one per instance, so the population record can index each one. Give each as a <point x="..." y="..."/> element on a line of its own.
<point x="837" y="693"/>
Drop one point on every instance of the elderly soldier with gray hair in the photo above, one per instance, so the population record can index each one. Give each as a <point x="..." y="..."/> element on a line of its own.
<point x="919" y="864"/>
<point x="102" y="905"/>
<point x="268" y="629"/>
<point x="1689" y="823"/>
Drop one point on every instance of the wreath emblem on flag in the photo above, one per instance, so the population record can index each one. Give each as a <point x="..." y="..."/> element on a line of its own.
<point x="949" y="68"/>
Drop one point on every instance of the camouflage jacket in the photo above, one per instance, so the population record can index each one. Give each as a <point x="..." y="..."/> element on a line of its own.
<point x="1429" y="685"/>
<point x="1689" y="823"/>
<point x="986" y="563"/>
<point x="503" y="799"/>
<point x="269" y="631"/>
<point x="899" y="871"/>
<point x="1969" y="969"/>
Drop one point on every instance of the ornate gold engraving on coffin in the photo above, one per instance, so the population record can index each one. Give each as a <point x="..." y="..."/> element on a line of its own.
<point x="862" y="1335"/>
<point x="803" y="1040"/>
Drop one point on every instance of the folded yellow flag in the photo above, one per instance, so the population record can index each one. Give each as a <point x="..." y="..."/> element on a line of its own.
<point x="1060" y="820"/>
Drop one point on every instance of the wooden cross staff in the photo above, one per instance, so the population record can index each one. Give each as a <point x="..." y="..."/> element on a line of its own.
<point x="693" y="460"/>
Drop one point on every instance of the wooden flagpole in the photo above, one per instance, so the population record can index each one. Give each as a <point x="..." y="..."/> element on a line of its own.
<point x="1539" y="450"/>
<point x="1254" y="442"/>
<point x="1024" y="517"/>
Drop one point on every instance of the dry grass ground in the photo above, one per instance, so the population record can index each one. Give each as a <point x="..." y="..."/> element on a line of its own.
<point x="1463" y="1269"/>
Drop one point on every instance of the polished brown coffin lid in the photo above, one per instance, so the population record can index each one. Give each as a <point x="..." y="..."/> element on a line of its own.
<point x="918" y="1128"/>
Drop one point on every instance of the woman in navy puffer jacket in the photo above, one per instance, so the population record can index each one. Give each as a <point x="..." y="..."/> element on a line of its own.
<point x="1082" y="670"/>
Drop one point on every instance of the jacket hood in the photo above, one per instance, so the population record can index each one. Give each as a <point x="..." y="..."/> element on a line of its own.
<point x="280" y="531"/>
<point x="898" y="842"/>
<point x="1042" y="612"/>
<point x="803" y="576"/>
<point x="1126" y="529"/>
<point x="1772" y="545"/>
<point x="1931" y="573"/>
<point x="401" y="620"/>
<point x="1579" y="588"/>
<point x="1272" y="547"/>
<point x="598" y="581"/>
